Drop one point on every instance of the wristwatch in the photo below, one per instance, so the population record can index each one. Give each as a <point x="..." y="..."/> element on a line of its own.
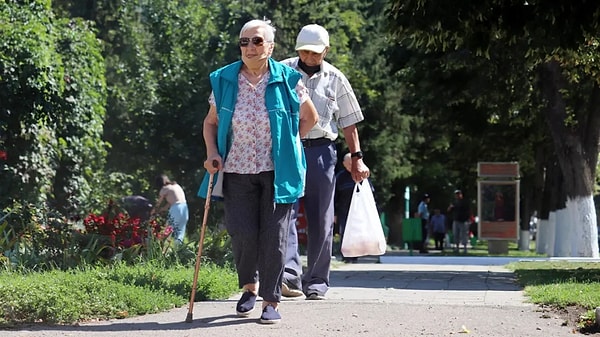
<point x="357" y="154"/>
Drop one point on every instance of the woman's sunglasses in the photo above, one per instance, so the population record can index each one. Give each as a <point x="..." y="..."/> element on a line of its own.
<point x="257" y="41"/>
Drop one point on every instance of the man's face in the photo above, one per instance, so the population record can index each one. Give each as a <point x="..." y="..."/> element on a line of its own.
<point x="311" y="58"/>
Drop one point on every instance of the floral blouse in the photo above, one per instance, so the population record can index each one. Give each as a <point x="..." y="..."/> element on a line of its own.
<point x="251" y="146"/>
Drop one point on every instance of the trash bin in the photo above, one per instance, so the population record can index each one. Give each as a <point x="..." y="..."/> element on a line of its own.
<point x="384" y="225"/>
<point x="411" y="232"/>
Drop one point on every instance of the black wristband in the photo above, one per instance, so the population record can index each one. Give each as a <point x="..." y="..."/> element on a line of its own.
<point x="357" y="154"/>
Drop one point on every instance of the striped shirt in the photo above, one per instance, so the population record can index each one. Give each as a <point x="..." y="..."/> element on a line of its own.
<point x="333" y="98"/>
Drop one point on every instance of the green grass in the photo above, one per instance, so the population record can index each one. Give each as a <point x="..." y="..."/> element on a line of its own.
<point x="59" y="297"/>
<point x="481" y="249"/>
<point x="561" y="283"/>
<point x="558" y="284"/>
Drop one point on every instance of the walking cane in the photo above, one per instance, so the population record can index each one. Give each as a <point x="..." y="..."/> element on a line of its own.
<point x="190" y="313"/>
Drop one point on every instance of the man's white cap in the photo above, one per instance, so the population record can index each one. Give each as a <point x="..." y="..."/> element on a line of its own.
<point x="312" y="38"/>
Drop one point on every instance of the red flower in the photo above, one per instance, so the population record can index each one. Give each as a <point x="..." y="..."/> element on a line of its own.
<point x="3" y="155"/>
<point x="126" y="243"/>
<point x="123" y="231"/>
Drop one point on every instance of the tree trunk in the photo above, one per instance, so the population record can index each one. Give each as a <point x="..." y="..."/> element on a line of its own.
<point x="575" y="139"/>
<point x="548" y="205"/>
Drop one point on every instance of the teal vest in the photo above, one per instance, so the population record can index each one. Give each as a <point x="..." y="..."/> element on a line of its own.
<point x="284" y="116"/>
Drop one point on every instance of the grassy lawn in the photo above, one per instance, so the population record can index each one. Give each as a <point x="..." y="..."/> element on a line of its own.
<point x="66" y="297"/>
<point x="569" y="286"/>
<point x="121" y="291"/>
<point x="560" y="283"/>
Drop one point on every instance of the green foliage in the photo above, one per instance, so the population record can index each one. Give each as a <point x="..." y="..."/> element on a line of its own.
<point x="31" y="72"/>
<point x="105" y="293"/>
<point x="478" y="76"/>
<point x="80" y="119"/>
<point x="159" y="54"/>
<point x="217" y="247"/>
<point x="51" y="105"/>
<point x="157" y="66"/>
<point x="429" y="114"/>
<point x="537" y="273"/>
<point x="453" y="26"/>
<point x="34" y="238"/>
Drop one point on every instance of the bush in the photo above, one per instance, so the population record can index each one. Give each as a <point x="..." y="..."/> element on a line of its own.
<point x="35" y="238"/>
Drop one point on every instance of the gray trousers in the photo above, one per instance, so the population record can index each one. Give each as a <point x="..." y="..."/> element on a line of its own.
<point x="460" y="231"/>
<point x="318" y="209"/>
<point x="259" y="229"/>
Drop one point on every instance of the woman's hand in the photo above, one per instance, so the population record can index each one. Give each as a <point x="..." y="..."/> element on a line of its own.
<point x="213" y="164"/>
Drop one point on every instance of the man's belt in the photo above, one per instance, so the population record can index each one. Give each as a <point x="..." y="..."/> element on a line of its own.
<point x="316" y="142"/>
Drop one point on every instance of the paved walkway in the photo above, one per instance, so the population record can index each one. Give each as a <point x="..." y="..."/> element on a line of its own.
<point x="400" y="296"/>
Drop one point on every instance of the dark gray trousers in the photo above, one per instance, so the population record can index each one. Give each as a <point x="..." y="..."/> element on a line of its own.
<point x="259" y="229"/>
<point x="318" y="209"/>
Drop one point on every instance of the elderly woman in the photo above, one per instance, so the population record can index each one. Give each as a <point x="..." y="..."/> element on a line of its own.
<point x="259" y="109"/>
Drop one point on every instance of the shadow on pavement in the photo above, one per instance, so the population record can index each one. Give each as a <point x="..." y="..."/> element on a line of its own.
<point x="199" y="323"/>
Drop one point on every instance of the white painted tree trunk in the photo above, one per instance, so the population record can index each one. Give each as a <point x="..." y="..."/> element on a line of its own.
<point x="540" y="237"/>
<point x="524" y="240"/>
<point x="550" y="234"/>
<point x="584" y="234"/>
<point x="562" y="237"/>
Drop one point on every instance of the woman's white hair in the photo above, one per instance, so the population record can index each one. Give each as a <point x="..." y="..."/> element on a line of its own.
<point x="266" y="24"/>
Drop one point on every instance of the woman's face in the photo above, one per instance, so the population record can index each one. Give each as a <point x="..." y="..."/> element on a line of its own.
<point x="255" y="49"/>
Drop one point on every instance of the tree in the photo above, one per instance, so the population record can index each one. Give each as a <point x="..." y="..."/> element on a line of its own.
<point x="80" y="119"/>
<point x="553" y="43"/>
<point x="51" y="107"/>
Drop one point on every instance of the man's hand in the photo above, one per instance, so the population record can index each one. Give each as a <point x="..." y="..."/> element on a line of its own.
<point x="360" y="171"/>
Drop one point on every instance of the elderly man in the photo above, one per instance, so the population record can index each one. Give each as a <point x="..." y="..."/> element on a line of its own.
<point x="337" y="105"/>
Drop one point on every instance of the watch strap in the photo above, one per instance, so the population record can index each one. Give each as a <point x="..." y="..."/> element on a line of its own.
<point x="357" y="154"/>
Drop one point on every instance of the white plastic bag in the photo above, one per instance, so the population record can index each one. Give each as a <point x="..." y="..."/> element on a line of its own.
<point x="363" y="234"/>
